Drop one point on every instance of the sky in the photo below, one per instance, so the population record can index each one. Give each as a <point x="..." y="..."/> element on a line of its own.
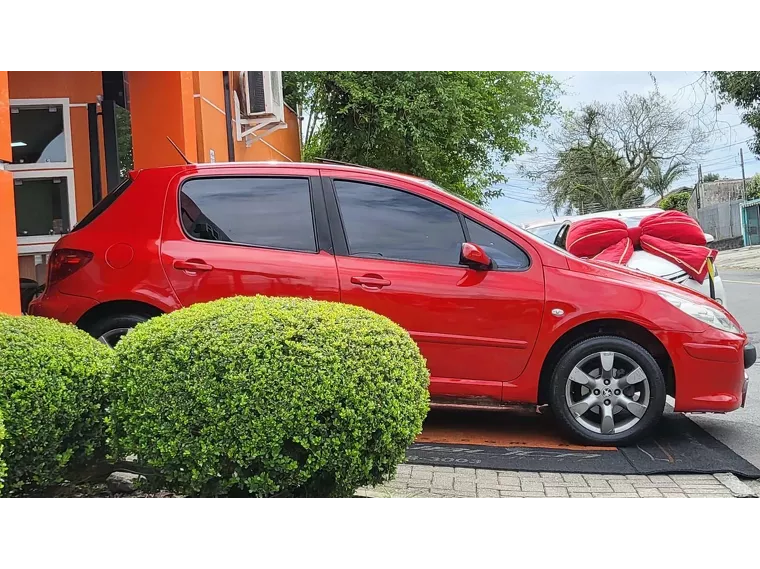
<point x="687" y="91"/>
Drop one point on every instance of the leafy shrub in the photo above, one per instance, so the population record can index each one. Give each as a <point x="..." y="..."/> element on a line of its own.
<point x="3" y="467"/>
<point x="52" y="399"/>
<point x="262" y="396"/>
<point x="678" y="201"/>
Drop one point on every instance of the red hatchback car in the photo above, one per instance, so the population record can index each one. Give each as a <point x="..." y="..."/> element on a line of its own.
<point x="501" y="316"/>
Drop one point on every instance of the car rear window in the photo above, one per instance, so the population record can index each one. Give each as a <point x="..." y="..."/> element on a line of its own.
<point x="103" y="204"/>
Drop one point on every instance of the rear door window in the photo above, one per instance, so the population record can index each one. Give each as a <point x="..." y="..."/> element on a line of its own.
<point x="270" y="212"/>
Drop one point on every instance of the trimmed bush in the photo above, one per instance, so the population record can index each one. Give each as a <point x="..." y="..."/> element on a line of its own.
<point x="3" y="468"/>
<point x="268" y="396"/>
<point x="52" y="400"/>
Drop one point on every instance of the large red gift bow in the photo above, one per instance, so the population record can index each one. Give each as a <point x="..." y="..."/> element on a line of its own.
<point x="672" y="235"/>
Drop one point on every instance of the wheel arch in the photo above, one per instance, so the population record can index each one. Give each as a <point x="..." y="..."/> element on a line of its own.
<point x="114" y="307"/>
<point x="606" y="327"/>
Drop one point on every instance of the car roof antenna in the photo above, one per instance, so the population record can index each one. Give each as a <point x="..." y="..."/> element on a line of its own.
<point x="178" y="150"/>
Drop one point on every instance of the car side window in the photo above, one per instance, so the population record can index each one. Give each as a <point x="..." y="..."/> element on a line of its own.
<point x="385" y="223"/>
<point x="506" y="254"/>
<point x="264" y="212"/>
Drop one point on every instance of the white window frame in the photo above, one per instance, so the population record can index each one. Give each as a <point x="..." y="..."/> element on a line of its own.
<point x="66" y="109"/>
<point x="38" y="244"/>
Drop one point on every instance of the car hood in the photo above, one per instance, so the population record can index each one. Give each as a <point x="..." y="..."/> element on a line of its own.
<point x="627" y="275"/>
<point x="653" y="265"/>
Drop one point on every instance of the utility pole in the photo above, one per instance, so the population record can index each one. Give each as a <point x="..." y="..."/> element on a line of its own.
<point x="744" y="180"/>
<point x="699" y="188"/>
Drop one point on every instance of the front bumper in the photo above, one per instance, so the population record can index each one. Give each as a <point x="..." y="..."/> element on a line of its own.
<point x="709" y="370"/>
<point x="750" y="356"/>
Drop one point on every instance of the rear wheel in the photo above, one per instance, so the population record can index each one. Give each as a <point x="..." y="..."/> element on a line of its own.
<point x="111" y="329"/>
<point x="607" y="390"/>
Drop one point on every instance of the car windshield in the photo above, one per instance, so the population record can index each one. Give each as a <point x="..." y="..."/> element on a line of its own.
<point x="632" y="221"/>
<point x="546" y="232"/>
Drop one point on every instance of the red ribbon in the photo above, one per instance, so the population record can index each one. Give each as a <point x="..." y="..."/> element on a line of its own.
<point x="672" y="235"/>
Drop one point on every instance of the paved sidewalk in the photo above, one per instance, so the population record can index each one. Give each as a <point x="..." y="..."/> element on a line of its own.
<point x="454" y="482"/>
<point x="742" y="259"/>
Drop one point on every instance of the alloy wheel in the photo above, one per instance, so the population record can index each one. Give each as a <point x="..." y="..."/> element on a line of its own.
<point x="112" y="337"/>
<point x="607" y="393"/>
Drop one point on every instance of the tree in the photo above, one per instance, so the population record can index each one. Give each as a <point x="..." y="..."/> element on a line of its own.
<point x="742" y="88"/>
<point x="456" y="128"/>
<point x="658" y="181"/>
<point x="753" y="187"/>
<point x="592" y="176"/>
<point x="678" y="201"/>
<point x="124" y="140"/>
<point x="710" y="177"/>
<point x="622" y="142"/>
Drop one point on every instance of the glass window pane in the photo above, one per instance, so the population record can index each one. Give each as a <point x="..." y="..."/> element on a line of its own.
<point x="42" y="206"/>
<point x="37" y="135"/>
<point x="391" y="224"/>
<point x="267" y="212"/>
<point x="505" y="254"/>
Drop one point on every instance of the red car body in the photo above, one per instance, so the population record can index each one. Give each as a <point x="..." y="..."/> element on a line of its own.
<point x="488" y="336"/>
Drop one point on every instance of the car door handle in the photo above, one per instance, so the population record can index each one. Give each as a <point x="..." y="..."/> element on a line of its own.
<point x="371" y="281"/>
<point x="192" y="265"/>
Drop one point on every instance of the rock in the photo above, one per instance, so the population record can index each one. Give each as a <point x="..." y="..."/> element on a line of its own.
<point x="123" y="482"/>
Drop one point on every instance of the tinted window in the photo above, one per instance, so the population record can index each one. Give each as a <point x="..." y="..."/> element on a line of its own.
<point x="506" y="254"/>
<point x="267" y="212"/>
<point x="391" y="224"/>
<point x="37" y="134"/>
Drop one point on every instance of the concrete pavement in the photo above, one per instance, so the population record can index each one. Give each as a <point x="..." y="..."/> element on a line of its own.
<point x="743" y="259"/>
<point x="413" y="481"/>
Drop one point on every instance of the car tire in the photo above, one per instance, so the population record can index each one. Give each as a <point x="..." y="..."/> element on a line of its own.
<point x="109" y="330"/>
<point x="595" y="405"/>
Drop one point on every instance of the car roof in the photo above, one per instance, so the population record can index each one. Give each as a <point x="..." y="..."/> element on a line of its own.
<point x="291" y="165"/>
<point x="633" y="212"/>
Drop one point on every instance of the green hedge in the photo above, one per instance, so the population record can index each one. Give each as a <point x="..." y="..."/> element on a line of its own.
<point x="52" y="400"/>
<point x="268" y="396"/>
<point x="3" y="467"/>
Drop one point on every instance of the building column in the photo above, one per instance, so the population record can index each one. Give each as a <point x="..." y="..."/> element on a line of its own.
<point x="10" y="295"/>
<point x="161" y="105"/>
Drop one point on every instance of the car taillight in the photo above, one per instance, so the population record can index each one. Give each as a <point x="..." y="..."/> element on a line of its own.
<point x="66" y="262"/>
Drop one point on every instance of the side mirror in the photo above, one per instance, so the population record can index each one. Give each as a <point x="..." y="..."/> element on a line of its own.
<point x="709" y="238"/>
<point x="474" y="257"/>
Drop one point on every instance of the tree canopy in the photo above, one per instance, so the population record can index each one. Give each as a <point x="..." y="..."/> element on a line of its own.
<point x="456" y="128"/>
<point x="603" y="154"/>
<point x="658" y="181"/>
<point x="742" y="88"/>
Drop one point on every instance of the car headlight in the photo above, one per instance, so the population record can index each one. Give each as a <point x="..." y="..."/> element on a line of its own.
<point x="703" y="312"/>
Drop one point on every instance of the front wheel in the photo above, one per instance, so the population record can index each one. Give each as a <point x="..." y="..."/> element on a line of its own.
<point x="607" y="391"/>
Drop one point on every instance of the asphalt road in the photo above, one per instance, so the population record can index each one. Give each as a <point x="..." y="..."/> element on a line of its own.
<point x="740" y="429"/>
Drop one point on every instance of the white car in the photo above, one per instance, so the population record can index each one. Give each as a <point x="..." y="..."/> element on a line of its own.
<point x="555" y="231"/>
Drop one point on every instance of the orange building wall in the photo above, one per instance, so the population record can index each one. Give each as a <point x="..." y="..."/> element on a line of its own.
<point x="162" y="105"/>
<point x="281" y="145"/>
<point x="79" y="87"/>
<point x="208" y="93"/>
<point x="10" y="303"/>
